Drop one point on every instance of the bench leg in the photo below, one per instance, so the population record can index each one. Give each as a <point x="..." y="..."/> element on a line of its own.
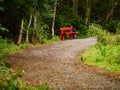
<point x="62" y="37"/>
<point x="71" y="36"/>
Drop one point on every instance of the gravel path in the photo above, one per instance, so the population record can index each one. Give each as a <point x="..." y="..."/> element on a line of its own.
<point x="56" y="64"/>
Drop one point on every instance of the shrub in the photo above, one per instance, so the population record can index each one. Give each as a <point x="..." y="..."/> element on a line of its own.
<point x="118" y="39"/>
<point x="106" y="52"/>
<point x="103" y="36"/>
<point x="8" y="79"/>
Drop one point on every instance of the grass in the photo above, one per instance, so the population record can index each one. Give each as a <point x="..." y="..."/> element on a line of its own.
<point x="106" y="53"/>
<point x="56" y="38"/>
<point x="106" y="57"/>
<point x="9" y="80"/>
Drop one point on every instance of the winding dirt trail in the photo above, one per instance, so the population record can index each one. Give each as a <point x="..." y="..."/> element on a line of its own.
<point x="56" y="64"/>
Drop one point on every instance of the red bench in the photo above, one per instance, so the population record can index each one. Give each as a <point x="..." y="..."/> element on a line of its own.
<point x="67" y="31"/>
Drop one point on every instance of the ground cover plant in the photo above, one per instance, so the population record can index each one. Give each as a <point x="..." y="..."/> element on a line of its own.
<point x="106" y="52"/>
<point x="10" y="80"/>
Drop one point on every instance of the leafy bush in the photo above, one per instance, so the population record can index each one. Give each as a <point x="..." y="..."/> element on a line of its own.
<point x="118" y="39"/>
<point x="9" y="79"/>
<point x="113" y="26"/>
<point x="9" y="47"/>
<point x="5" y="48"/>
<point x="95" y="30"/>
<point x="103" y="36"/>
<point x="41" y="34"/>
<point x="106" y="53"/>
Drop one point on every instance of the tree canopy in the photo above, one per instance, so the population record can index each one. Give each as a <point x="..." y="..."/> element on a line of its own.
<point x="36" y="20"/>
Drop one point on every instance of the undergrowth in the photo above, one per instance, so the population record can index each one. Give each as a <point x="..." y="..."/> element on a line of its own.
<point x="106" y="53"/>
<point x="54" y="39"/>
<point x="107" y="57"/>
<point x="10" y="80"/>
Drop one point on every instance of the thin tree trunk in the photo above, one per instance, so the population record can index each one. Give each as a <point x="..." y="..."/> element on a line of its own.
<point x="88" y="5"/>
<point x="20" y="32"/>
<point x="34" y="28"/>
<point x="54" y="15"/>
<point x="75" y="8"/>
<point x="27" y="33"/>
<point x="111" y="11"/>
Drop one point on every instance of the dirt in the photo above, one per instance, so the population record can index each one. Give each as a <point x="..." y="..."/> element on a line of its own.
<point x="56" y="64"/>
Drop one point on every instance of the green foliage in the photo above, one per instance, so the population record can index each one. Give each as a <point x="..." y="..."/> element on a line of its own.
<point x="3" y="29"/>
<point x="43" y="86"/>
<point x="1" y="0"/>
<point x="99" y="12"/>
<point x="42" y="34"/>
<point x="106" y="53"/>
<point x="63" y="21"/>
<point x="95" y="30"/>
<point x="9" y="47"/>
<point x="9" y="80"/>
<point x="118" y="39"/>
<point x="56" y="38"/>
<point x="25" y="7"/>
<point x="103" y="36"/>
<point x="6" y="48"/>
<point x="113" y="26"/>
<point x="1" y="8"/>
<point x="78" y="24"/>
<point x="23" y="46"/>
<point x="103" y="56"/>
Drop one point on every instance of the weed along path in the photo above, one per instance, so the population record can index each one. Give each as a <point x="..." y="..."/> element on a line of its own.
<point x="56" y="64"/>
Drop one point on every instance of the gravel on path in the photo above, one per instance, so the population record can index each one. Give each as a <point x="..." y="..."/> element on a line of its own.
<point x="56" y="64"/>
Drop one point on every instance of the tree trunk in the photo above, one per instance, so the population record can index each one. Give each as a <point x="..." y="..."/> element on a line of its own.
<point x="34" y="28"/>
<point x="75" y="8"/>
<point x="27" y="33"/>
<point x="113" y="4"/>
<point x="54" y="15"/>
<point x="20" y="32"/>
<point x="87" y="16"/>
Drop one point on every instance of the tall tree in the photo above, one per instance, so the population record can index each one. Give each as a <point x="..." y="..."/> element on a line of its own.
<point x="75" y="7"/>
<point x="87" y="15"/>
<point x="54" y="16"/>
<point x="28" y="28"/>
<point x="112" y="6"/>
<point x="20" y="32"/>
<point x="34" y="27"/>
<point x="21" y="13"/>
<point x="25" y="8"/>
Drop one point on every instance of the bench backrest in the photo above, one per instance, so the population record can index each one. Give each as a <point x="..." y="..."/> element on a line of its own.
<point x="63" y="29"/>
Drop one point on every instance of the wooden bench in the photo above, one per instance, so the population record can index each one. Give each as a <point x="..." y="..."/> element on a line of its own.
<point x="67" y="31"/>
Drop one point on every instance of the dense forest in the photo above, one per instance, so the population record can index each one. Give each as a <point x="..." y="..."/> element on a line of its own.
<point x="24" y="22"/>
<point x="37" y="20"/>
